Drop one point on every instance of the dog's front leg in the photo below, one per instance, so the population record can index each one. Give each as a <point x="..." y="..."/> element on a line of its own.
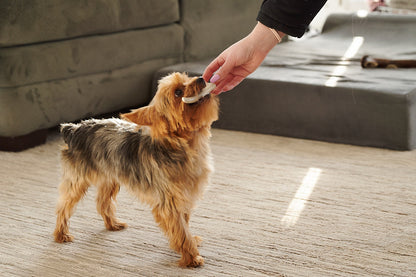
<point x="174" y="224"/>
<point x="198" y="239"/>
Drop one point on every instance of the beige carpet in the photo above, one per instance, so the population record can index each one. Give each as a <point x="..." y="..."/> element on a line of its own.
<point x="276" y="206"/>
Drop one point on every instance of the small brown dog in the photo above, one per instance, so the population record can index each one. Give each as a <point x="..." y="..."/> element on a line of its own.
<point x="160" y="152"/>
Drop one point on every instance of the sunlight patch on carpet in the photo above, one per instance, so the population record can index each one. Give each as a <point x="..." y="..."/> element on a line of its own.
<point x="302" y="195"/>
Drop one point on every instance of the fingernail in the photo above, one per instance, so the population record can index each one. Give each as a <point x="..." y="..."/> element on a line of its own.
<point x="214" y="78"/>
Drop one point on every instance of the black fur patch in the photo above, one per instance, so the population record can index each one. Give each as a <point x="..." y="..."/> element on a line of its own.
<point x="114" y="146"/>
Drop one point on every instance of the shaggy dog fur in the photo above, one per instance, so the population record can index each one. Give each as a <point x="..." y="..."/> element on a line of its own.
<point x="160" y="152"/>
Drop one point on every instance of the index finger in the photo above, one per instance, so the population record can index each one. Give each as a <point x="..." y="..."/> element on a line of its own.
<point x="212" y="67"/>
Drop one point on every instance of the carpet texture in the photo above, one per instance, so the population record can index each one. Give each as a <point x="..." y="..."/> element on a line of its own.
<point x="276" y="207"/>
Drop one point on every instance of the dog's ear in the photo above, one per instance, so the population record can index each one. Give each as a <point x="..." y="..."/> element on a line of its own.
<point x="142" y="116"/>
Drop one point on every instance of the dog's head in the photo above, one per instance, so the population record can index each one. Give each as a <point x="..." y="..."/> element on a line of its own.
<point x="181" y="105"/>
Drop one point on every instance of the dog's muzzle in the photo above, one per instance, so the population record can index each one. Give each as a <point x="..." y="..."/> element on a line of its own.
<point x="204" y="92"/>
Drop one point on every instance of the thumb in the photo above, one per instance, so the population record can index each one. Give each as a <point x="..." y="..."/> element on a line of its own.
<point x="222" y="72"/>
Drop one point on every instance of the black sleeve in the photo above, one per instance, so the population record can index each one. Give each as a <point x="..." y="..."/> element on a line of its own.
<point x="291" y="17"/>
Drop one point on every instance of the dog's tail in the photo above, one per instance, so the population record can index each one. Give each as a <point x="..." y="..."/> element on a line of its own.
<point x="67" y="131"/>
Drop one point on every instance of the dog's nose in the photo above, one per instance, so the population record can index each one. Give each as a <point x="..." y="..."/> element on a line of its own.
<point x="200" y="81"/>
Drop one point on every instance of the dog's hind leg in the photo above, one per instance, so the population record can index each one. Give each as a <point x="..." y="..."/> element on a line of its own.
<point x="70" y="192"/>
<point x="174" y="224"/>
<point x="106" y="198"/>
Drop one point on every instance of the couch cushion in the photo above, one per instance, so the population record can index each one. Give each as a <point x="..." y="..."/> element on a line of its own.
<point x="213" y="25"/>
<point x="25" y="22"/>
<point x="30" y="64"/>
<point x="42" y="105"/>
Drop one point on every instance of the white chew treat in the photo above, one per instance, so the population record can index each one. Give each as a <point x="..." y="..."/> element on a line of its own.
<point x="207" y="90"/>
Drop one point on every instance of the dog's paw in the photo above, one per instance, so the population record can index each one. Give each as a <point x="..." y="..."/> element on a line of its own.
<point x="198" y="240"/>
<point x="117" y="226"/>
<point x="63" y="237"/>
<point x="196" y="261"/>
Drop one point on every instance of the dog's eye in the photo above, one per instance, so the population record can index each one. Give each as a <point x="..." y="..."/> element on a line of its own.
<point x="178" y="93"/>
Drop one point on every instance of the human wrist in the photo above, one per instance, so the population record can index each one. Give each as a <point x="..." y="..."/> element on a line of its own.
<point x="264" y="37"/>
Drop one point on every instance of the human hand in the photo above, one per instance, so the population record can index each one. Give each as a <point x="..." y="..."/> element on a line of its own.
<point x="240" y="59"/>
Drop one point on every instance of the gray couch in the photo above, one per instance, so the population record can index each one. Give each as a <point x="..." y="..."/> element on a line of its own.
<point x="67" y="60"/>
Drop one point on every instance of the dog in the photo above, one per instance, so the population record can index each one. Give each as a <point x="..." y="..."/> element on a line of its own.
<point x="160" y="152"/>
